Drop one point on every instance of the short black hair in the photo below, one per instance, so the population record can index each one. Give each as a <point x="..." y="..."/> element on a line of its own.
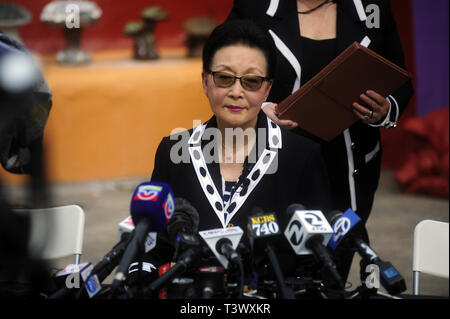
<point x="244" y="32"/>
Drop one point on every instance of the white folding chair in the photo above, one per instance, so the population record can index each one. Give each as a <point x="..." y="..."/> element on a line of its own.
<point x="430" y="251"/>
<point x="56" y="232"/>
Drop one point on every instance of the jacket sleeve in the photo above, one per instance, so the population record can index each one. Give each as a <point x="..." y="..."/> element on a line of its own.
<point x="393" y="51"/>
<point x="161" y="166"/>
<point x="164" y="250"/>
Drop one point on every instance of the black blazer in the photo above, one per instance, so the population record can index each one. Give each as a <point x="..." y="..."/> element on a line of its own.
<point x="295" y="174"/>
<point x="353" y="159"/>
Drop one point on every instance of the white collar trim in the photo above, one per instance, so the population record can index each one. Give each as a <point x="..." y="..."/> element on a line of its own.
<point x="226" y="211"/>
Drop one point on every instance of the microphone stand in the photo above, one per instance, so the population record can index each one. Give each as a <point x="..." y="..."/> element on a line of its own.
<point x="285" y="292"/>
<point x="187" y="259"/>
<point x="365" y="293"/>
<point x="192" y="252"/>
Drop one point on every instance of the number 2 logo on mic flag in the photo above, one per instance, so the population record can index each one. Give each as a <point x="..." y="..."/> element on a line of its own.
<point x="313" y="219"/>
<point x="148" y="192"/>
<point x="169" y="207"/>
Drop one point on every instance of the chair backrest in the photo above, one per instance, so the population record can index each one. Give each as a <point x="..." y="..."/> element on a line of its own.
<point x="56" y="232"/>
<point x="430" y="252"/>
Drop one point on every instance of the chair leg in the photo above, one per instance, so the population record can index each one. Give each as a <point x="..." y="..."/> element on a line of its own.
<point x="77" y="259"/>
<point x="416" y="283"/>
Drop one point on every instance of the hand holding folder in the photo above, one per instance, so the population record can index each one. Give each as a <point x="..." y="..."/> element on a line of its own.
<point x="323" y="106"/>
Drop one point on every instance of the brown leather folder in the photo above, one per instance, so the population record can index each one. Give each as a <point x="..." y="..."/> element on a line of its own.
<point x="323" y="105"/>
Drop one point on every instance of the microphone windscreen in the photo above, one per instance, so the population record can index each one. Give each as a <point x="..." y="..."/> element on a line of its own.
<point x="256" y="211"/>
<point x="185" y="219"/>
<point x="185" y="210"/>
<point x="293" y="207"/>
<point x="153" y="201"/>
<point x="333" y="216"/>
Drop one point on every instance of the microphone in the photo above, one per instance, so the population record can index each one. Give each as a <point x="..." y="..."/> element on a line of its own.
<point x="308" y="232"/>
<point x="210" y="281"/>
<point x="180" y="230"/>
<point x="72" y="277"/>
<point x="110" y="261"/>
<point x="99" y="272"/>
<point x="225" y="247"/>
<point x="263" y="229"/>
<point x="140" y="275"/>
<point x="343" y="224"/>
<point x="127" y="226"/>
<point x="92" y="275"/>
<point x="185" y="220"/>
<point x="153" y="203"/>
<point x="151" y="208"/>
<point x="223" y="243"/>
<point x="189" y="258"/>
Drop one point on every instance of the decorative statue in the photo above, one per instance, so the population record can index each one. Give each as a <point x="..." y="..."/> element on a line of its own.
<point x="72" y="17"/>
<point x="11" y="17"/>
<point x="197" y="30"/>
<point x="142" y="32"/>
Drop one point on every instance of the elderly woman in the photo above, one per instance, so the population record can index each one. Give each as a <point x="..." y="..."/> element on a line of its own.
<point x="240" y="159"/>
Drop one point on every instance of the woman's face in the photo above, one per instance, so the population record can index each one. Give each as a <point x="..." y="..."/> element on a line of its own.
<point x="235" y="106"/>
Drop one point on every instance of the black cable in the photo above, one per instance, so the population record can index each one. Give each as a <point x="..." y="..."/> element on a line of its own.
<point x="242" y="277"/>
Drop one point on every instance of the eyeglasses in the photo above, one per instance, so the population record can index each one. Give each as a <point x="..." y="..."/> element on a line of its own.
<point x="249" y="82"/>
